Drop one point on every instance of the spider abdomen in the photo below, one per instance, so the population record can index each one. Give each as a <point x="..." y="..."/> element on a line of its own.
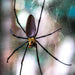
<point x="30" y="26"/>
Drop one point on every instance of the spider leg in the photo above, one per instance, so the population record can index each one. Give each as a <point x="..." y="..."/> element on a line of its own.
<point x="16" y="50"/>
<point x="17" y="17"/>
<point x="53" y="56"/>
<point x="48" y="34"/>
<point x="38" y="60"/>
<point x="23" y="58"/>
<point x="40" y="17"/>
<point x="17" y="36"/>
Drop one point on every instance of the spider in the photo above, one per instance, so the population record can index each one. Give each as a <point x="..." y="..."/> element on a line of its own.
<point x="31" y="33"/>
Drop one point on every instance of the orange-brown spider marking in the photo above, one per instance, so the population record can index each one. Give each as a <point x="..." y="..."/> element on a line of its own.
<point x="31" y="42"/>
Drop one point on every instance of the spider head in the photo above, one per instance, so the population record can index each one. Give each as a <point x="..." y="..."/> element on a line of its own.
<point x="31" y="42"/>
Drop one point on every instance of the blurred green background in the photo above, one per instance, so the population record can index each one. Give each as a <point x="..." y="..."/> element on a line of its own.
<point x="57" y="13"/>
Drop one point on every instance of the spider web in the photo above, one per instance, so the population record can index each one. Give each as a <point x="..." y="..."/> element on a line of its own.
<point x="34" y="7"/>
<point x="56" y="10"/>
<point x="61" y="9"/>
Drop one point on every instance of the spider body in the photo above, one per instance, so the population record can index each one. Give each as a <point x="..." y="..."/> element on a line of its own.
<point x="31" y="33"/>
